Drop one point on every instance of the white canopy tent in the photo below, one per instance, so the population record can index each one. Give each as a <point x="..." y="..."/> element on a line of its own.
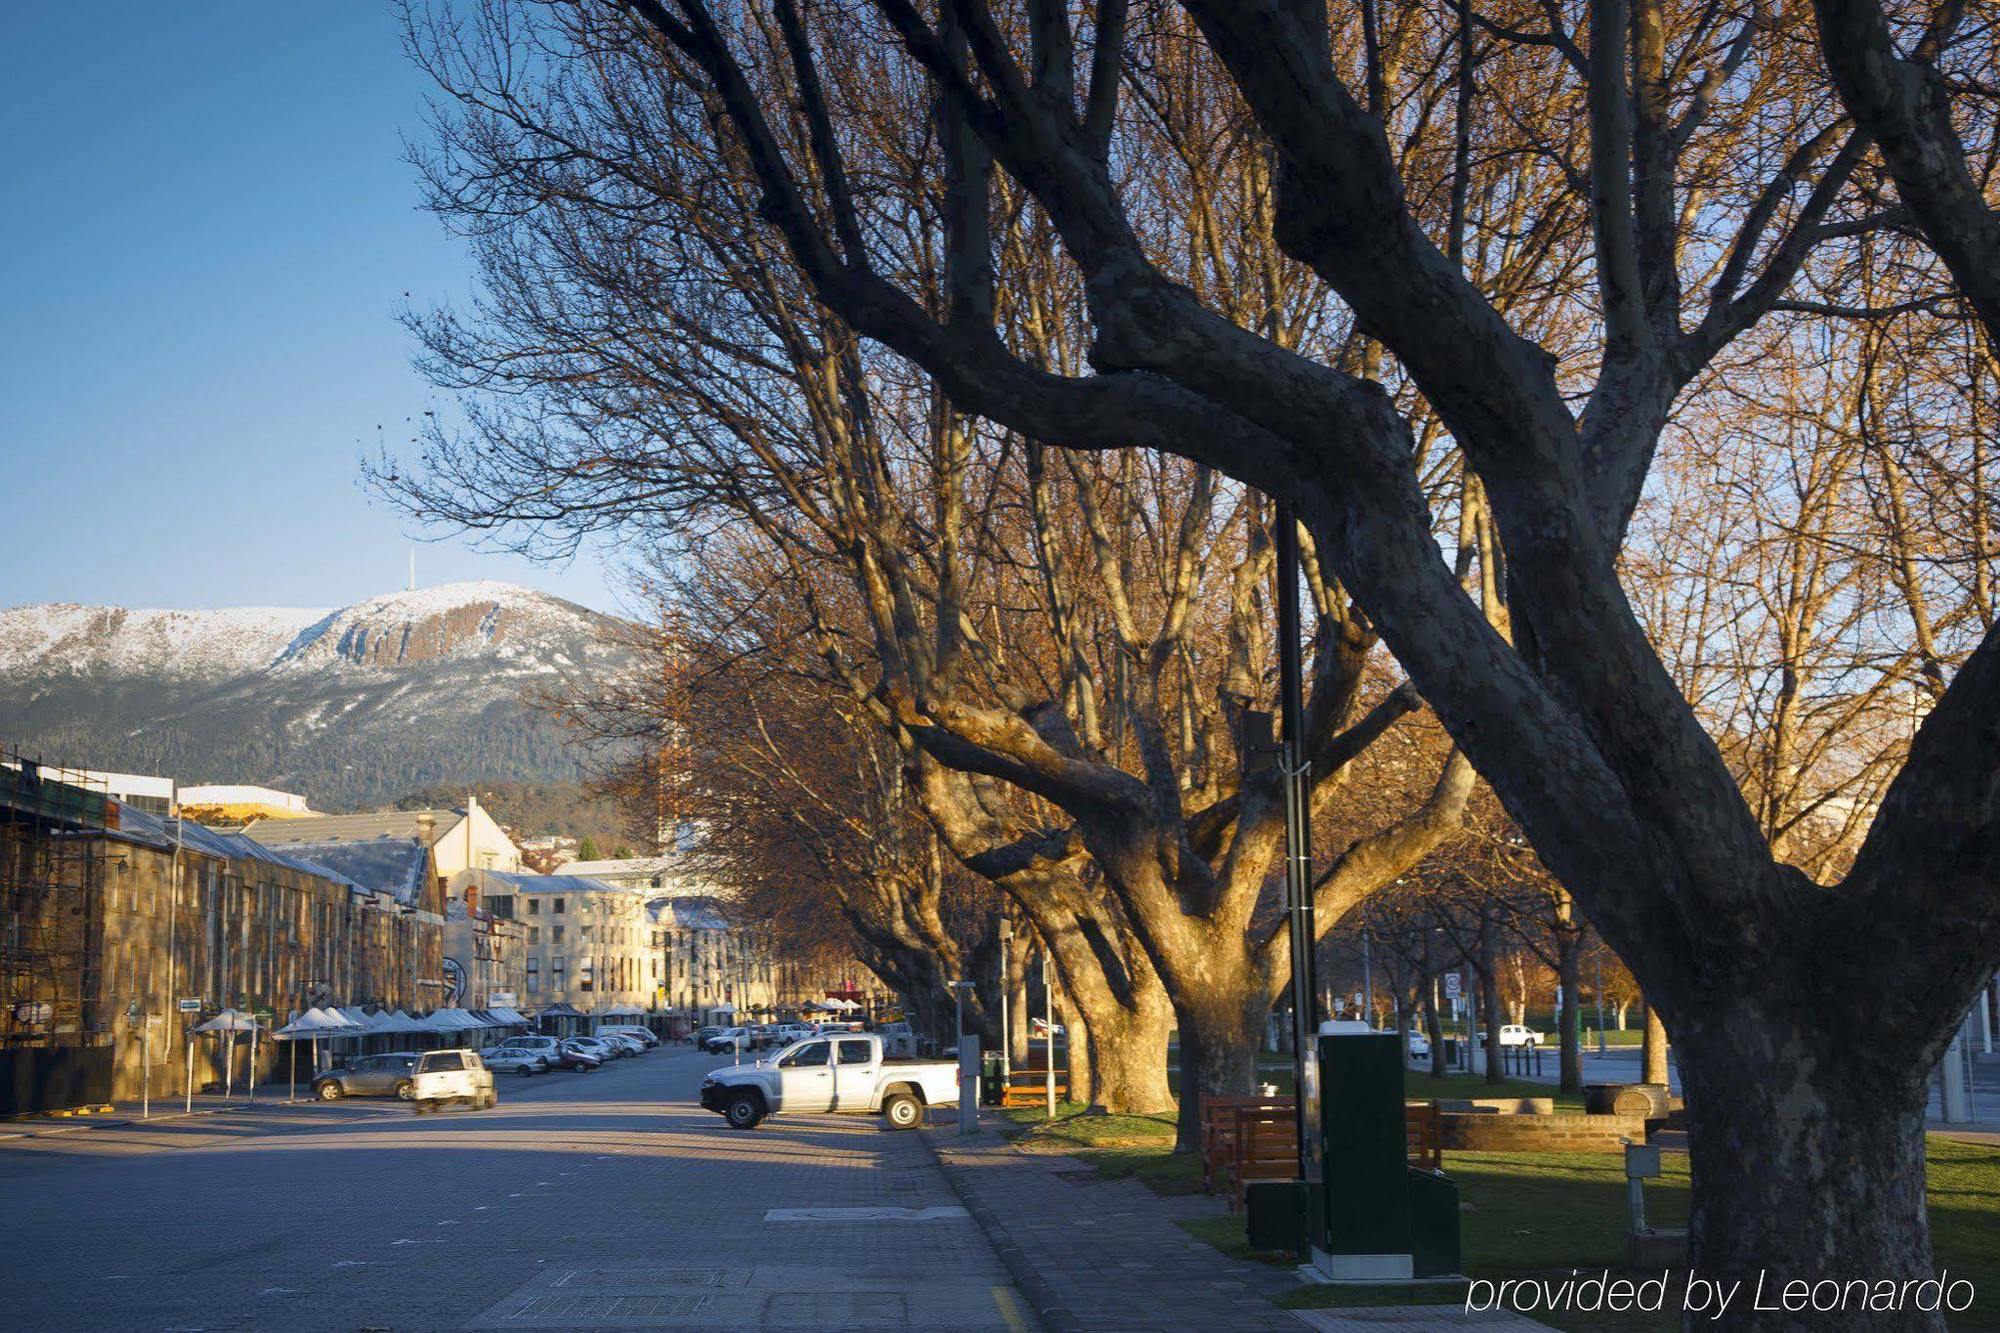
<point x="226" y="1025"/>
<point x="313" y="1024"/>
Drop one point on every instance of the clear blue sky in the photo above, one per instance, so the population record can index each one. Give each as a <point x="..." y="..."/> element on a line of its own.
<point x="206" y="228"/>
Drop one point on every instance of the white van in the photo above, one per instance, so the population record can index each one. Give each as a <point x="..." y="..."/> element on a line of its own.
<point x="444" y="1077"/>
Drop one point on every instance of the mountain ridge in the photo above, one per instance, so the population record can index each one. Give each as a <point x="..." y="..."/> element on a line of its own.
<point x="347" y="705"/>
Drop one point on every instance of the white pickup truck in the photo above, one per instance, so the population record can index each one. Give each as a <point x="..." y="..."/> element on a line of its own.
<point x="843" y="1072"/>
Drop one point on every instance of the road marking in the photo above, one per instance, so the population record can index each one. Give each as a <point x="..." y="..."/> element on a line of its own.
<point x="865" y="1214"/>
<point x="1010" y="1309"/>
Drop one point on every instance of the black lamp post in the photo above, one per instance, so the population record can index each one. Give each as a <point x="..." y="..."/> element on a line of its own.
<point x="1298" y="849"/>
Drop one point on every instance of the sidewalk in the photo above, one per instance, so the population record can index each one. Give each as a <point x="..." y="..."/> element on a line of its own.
<point x="164" y="1111"/>
<point x="1097" y="1254"/>
<point x="1091" y="1253"/>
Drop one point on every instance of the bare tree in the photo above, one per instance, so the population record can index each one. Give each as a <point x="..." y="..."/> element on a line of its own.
<point x="1575" y="721"/>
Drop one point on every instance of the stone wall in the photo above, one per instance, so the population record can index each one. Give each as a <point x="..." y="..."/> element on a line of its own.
<point x="1484" y="1131"/>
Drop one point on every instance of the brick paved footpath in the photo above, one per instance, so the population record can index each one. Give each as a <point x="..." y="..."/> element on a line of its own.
<point x="1097" y="1254"/>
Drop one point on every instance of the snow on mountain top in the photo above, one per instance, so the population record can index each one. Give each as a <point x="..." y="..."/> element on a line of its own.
<point x="421" y="603"/>
<point x="108" y="640"/>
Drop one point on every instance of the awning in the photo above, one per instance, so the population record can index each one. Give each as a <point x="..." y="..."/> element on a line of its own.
<point x="451" y="1020"/>
<point x="624" y="1011"/>
<point x="360" y="1018"/>
<point x="398" y="1022"/>
<point x="313" y="1023"/>
<point x="563" y="1011"/>
<point x="510" y="1018"/>
<point x="229" y="1020"/>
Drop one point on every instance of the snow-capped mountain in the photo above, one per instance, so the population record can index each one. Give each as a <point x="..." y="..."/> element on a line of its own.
<point x="347" y="706"/>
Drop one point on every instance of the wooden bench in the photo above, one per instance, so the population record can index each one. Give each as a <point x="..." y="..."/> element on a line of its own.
<point x="1267" y="1148"/>
<point x="1219" y="1132"/>
<point x="1423" y="1140"/>
<point x="1029" y="1087"/>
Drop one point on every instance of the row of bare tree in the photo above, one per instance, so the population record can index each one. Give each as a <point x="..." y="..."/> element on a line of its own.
<point x="1628" y="363"/>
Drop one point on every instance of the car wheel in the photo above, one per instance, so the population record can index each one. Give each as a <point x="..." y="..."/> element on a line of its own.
<point x="406" y="1090"/>
<point x="526" y="1071"/>
<point x="902" y="1111"/>
<point x="328" y="1091"/>
<point x="744" y="1111"/>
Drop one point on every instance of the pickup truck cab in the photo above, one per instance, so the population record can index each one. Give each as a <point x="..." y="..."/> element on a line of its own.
<point x="843" y="1072"/>
<point x="444" y="1077"/>
<point x="1513" y="1034"/>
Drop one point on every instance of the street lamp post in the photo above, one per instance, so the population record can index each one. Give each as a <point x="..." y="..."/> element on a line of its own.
<point x="1298" y="849"/>
<point x="1006" y="1032"/>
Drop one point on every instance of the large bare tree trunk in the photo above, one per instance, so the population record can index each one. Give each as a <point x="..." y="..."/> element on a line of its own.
<point x="1653" y="1048"/>
<point x="1569" y="969"/>
<point x="1807" y="1163"/>
<point x="1489" y="995"/>
<point x="1222" y="1028"/>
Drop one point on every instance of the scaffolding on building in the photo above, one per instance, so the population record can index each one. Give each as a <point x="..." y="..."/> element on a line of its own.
<point x="52" y="862"/>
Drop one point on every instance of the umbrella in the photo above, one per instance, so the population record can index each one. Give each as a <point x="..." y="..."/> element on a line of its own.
<point x="313" y="1023"/>
<point x="230" y="1022"/>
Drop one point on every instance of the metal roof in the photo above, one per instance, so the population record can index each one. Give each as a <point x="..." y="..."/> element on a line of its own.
<point x="390" y="865"/>
<point x="687" y="913"/>
<point x="319" y="829"/>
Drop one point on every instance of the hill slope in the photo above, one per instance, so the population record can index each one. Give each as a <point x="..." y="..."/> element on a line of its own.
<point x="350" y="707"/>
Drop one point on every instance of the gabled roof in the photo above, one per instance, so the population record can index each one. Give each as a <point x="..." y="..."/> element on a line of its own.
<point x="625" y="865"/>
<point x="686" y="913"/>
<point x="352" y="828"/>
<point x="548" y="883"/>
<point x="389" y="865"/>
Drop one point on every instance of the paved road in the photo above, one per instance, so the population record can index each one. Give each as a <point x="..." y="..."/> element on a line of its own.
<point x="606" y="1200"/>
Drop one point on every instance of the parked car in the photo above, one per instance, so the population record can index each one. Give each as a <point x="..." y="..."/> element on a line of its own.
<point x="1420" y="1045"/>
<point x="514" y="1060"/>
<point x="1039" y="1027"/>
<point x="728" y="1039"/>
<point x="445" y="1078"/>
<point x="704" y="1036"/>
<point x="370" y="1076"/>
<point x="573" y="1057"/>
<point x="644" y="1036"/>
<point x="601" y="1048"/>
<point x="546" y="1045"/>
<point x="847" y="1073"/>
<point x="1513" y="1034"/>
<point x="624" y="1040"/>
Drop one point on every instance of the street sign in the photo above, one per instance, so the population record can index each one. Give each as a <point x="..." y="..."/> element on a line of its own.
<point x="263" y="1012"/>
<point x="1451" y="984"/>
<point x="190" y="1006"/>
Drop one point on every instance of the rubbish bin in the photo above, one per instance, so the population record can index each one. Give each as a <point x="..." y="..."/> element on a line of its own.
<point x="992" y="1087"/>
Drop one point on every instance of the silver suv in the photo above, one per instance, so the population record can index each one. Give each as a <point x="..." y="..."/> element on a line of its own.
<point x="370" y="1076"/>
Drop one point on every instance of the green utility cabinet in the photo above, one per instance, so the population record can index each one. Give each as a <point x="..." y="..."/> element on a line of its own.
<point x="1382" y="1220"/>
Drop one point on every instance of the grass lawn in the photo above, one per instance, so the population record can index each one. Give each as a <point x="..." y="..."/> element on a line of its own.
<point x="1531" y="1213"/>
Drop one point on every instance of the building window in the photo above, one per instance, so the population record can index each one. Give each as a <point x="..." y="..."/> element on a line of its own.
<point x="584" y="976"/>
<point x="534" y="907"/>
<point x="534" y="934"/>
<point x="557" y="930"/>
<point x="583" y="934"/>
<point x="555" y="974"/>
<point x="556" y="906"/>
<point x="534" y="976"/>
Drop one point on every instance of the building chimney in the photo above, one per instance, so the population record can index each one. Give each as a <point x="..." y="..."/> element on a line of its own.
<point x="426" y="827"/>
